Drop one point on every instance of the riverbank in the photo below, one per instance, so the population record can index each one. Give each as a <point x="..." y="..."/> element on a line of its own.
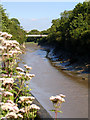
<point x="72" y="65"/>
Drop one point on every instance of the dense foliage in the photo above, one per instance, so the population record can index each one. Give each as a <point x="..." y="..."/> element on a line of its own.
<point x="11" y="26"/>
<point x="71" y="31"/>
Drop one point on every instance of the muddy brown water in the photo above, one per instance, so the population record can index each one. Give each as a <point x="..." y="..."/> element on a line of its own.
<point x="50" y="81"/>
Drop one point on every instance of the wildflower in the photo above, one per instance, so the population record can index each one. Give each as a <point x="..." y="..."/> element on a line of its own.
<point x="19" y="69"/>
<point x="19" y="115"/>
<point x="0" y="32"/>
<point x="8" y="81"/>
<point x="29" y="102"/>
<point x="5" y="54"/>
<point x="10" y="101"/>
<point x="33" y="106"/>
<point x="7" y="106"/>
<point x="13" y="52"/>
<point x="9" y="36"/>
<point x="4" y="34"/>
<point x="56" y="99"/>
<point x="3" y="118"/>
<point x="28" y="76"/>
<point x="21" y="73"/>
<point x="4" y="75"/>
<point x="19" y="52"/>
<point x="1" y="89"/>
<point x="26" y="98"/>
<point x="22" y="110"/>
<point x="19" y="76"/>
<point x="15" y="42"/>
<point x="63" y="96"/>
<point x="1" y="79"/>
<point x="11" y="115"/>
<point x="27" y="67"/>
<point x="53" y="99"/>
<point x="1" y="103"/>
<point x="2" y="39"/>
<point x="16" y="109"/>
<point x="19" y="101"/>
<point x="17" y="48"/>
<point x="6" y="93"/>
<point x="3" y="48"/>
<point x="10" y="106"/>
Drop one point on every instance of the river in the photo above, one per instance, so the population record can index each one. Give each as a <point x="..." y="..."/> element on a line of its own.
<point x="50" y="81"/>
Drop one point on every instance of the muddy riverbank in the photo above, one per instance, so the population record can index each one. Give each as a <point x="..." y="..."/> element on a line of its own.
<point x="72" y="64"/>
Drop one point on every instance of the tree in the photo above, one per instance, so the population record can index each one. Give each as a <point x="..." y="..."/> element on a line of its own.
<point x="16" y="21"/>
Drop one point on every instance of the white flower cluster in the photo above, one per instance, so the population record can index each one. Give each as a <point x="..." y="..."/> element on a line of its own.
<point x="58" y="98"/>
<point x="10" y="50"/>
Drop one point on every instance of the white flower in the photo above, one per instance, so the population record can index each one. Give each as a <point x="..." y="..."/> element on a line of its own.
<point x="26" y="98"/>
<point x="27" y="67"/>
<point x="30" y="75"/>
<point x="19" y="115"/>
<point x="9" y="36"/>
<point x="17" y="48"/>
<point x="19" y="76"/>
<point x="10" y="106"/>
<point x="7" y="106"/>
<point x="16" y="109"/>
<point x="4" y="34"/>
<point x="1" y="103"/>
<point x="11" y="115"/>
<point x="22" y="110"/>
<point x="33" y="106"/>
<point x="13" y="52"/>
<point x="8" y="81"/>
<point x="15" y="42"/>
<point x="19" y="69"/>
<point x="6" y="93"/>
<point x="3" y="48"/>
<point x="5" y="54"/>
<point x="0" y="32"/>
<point x="1" y="89"/>
<point x="3" y="118"/>
<point x="10" y="101"/>
<point x="57" y="98"/>
<point x="1" y="79"/>
<point x="21" y="73"/>
<point x="29" y="102"/>
<point x="63" y="96"/>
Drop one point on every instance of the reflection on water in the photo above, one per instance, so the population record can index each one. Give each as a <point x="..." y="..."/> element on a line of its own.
<point x="50" y="81"/>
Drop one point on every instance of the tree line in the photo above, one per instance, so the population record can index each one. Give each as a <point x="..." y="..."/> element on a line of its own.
<point x="11" y="26"/>
<point x="69" y="32"/>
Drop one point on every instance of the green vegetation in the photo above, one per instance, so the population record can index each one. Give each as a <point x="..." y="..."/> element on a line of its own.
<point x="11" y="26"/>
<point x="71" y="31"/>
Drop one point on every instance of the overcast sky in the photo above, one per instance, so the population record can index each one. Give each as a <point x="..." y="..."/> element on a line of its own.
<point x="37" y="15"/>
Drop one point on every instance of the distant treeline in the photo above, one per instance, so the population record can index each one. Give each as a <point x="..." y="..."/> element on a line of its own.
<point x="11" y="26"/>
<point x="70" y="32"/>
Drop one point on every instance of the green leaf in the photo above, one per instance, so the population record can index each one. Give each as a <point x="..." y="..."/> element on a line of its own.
<point x="60" y="111"/>
<point x="17" y="87"/>
<point x="13" y="91"/>
<point x="53" y="110"/>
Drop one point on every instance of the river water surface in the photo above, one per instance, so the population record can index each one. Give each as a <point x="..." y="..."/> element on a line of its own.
<point x="50" y="81"/>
